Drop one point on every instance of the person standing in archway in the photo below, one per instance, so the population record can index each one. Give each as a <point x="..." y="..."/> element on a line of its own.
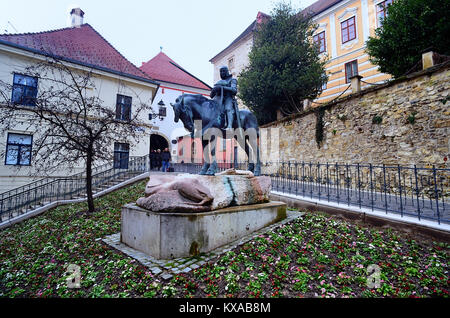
<point x="158" y="159"/>
<point x="165" y="159"/>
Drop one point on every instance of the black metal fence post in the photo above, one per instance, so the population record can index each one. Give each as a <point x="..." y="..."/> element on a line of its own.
<point x="436" y="195"/>
<point x="417" y="192"/>
<point x="400" y="189"/>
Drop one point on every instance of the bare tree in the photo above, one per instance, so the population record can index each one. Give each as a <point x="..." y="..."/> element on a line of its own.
<point x="72" y="124"/>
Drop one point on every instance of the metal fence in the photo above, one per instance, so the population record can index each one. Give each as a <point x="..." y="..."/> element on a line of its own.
<point x="419" y="192"/>
<point x="423" y="193"/>
<point x="23" y="199"/>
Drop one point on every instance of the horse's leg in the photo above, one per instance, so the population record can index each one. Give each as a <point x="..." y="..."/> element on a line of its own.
<point x="257" y="171"/>
<point x="251" y="165"/>
<point x="242" y="144"/>
<point x="213" y="166"/>
<point x="206" y="161"/>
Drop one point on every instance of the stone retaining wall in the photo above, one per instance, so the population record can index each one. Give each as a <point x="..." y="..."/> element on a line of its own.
<point x="404" y="122"/>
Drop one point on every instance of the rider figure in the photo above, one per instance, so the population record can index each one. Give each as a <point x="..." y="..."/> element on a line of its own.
<point x="229" y="86"/>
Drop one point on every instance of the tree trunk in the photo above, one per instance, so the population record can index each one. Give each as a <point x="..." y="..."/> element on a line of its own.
<point x="90" y="196"/>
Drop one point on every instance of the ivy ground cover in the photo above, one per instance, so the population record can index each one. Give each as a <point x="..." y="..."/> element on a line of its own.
<point x="314" y="256"/>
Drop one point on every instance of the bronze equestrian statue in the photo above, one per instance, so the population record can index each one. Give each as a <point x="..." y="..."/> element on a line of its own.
<point x="219" y="116"/>
<point x="226" y="90"/>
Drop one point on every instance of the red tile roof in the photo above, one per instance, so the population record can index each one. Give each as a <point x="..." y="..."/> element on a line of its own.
<point x="79" y="44"/>
<point x="163" y="68"/>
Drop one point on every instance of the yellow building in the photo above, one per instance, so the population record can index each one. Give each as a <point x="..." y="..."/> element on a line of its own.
<point x="343" y="29"/>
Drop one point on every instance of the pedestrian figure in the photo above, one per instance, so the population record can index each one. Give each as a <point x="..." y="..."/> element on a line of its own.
<point x="158" y="159"/>
<point x="165" y="159"/>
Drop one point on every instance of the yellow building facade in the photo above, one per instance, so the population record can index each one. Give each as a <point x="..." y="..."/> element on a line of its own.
<point x="343" y="29"/>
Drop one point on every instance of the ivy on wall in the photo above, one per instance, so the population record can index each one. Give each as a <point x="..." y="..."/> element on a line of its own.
<point x="320" y="112"/>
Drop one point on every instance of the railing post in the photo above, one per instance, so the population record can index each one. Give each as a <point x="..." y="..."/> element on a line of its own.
<point x="311" y="180"/>
<point x="436" y="195"/>
<point x="318" y="178"/>
<point x="359" y="187"/>
<point x="347" y="183"/>
<point x="417" y="192"/>
<point x="328" y="184"/>
<point x="303" y="178"/>
<point x="371" y="186"/>
<point x="289" y="177"/>
<point x="384" y="186"/>
<point x="400" y="189"/>
<point x="337" y="183"/>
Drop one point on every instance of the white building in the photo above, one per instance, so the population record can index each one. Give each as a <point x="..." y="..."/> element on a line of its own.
<point x="81" y="48"/>
<point x="174" y="81"/>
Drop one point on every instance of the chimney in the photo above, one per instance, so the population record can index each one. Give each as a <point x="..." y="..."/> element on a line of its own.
<point x="262" y="17"/>
<point x="76" y="17"/>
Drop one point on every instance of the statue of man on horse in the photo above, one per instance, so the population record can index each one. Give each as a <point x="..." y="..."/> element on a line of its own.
<point x="220" y="116"/>
<point x="226" y="90"/>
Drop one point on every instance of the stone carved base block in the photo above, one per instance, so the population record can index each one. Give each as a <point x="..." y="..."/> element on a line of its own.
<point x="172" y="235"/>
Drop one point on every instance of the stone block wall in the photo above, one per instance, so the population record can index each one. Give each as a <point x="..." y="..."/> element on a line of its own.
<point x="406" y="122"/>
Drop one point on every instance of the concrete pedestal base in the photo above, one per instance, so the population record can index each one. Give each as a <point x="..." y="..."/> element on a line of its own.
<point x="172" y="235"/>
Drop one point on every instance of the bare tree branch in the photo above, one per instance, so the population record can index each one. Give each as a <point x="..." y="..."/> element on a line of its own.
<point x="69" y="120"/>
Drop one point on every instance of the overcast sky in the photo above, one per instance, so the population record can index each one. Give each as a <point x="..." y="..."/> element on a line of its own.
<point x="191" y="32"/>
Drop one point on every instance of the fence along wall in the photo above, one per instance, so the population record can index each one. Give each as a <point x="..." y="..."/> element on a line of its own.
<point x="403" y="122"/>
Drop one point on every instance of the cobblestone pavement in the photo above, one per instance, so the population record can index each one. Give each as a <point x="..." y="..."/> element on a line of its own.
<point x="167" y="268"/>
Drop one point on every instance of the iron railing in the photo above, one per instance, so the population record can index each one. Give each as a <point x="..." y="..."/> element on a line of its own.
<point x="419" y="192"/>
<point x="23" y="199"/>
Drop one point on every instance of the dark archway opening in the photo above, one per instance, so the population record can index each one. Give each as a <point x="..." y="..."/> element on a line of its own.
<point x="158" y="142"/>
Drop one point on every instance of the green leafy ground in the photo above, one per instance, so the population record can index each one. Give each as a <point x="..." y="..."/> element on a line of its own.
<point x="314" y="256"/>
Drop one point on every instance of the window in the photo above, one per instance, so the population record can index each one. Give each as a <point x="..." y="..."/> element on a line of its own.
<point x="382" y="11"/>
<point x="18" y="149"/>
<point x="348" y="30"/>
<point x="231" y="63"/>
<point x="24" y="90"/>
<point x="351" y="69"/>
<point x="319" y="39"/>
<point x="123" y="107"/>
<point x="121" y="155"/>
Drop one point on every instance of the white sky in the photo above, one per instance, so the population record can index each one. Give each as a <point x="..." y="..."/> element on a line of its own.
<point x="191" y="32"/>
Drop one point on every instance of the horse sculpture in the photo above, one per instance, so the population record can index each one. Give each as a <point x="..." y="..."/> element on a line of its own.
<point x="191" y="108"/>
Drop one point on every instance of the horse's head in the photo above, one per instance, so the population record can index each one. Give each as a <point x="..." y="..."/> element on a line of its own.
<point x="184" y="113"/>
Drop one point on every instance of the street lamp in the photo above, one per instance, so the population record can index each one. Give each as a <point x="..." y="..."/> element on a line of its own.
<point x="161" y="112"/>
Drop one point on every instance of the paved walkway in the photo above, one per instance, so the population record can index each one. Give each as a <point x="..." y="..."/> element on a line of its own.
<point x="167" y="268"/>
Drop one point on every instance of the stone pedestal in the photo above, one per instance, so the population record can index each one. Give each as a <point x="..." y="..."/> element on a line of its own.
<point x="169" y="235"/>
